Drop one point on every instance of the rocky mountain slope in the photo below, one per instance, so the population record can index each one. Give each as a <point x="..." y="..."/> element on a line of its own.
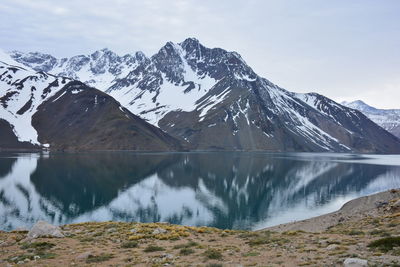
<point x="42" y="110"/>
<point x="211" y="98"/>
<point x="389" y="119"/>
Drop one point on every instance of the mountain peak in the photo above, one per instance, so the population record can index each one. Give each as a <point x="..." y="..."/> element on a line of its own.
<point x="4" y="57"/>
<point x="358" y="103"/>
<point x="190" y="41"/>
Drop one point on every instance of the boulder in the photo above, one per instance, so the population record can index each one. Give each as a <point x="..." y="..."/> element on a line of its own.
<point x="158" y="231"/>
<point x="332" y="247"/>
<point x="44" y="229"/>
<point x="84" y="256"/>
<point x="355" y="262"/>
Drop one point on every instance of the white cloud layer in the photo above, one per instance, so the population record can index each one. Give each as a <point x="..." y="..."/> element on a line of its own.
<point x="343" y="49"/>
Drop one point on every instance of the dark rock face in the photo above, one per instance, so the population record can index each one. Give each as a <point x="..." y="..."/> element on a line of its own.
<point x="8" y="139"/>
<point x="82" y="118"/>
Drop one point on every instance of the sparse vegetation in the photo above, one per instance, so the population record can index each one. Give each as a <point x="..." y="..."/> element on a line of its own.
<point x="186" y="251"/>
<point x="261" y="239"/>
<point x="213" y="254"/>
<point x="189" y="244"/>
<point x="129" y="244"/>
<point x="251" y="254"/>
<point x="99" y="258"/>
<point x="37" y="245"/>
<point x="385" y="244"/>
<point x="355" y="232"/>
<point x="116" y="244"/>
<point x="152" y="248"/>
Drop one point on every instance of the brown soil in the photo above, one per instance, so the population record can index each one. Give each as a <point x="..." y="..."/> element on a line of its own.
<point x="160" y="244"/>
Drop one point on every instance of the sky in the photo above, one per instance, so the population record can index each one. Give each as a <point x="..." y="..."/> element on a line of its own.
<point x="343" y="49"/>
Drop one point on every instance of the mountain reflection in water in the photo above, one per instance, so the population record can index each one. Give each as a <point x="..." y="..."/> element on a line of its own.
<point x="225" y="190"/>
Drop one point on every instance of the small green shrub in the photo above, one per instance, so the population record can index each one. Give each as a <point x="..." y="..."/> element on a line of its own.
<point x="251" y="254"/>
<point x="129" y="244"/>
<point x="152" y="248"/>
<point x="186" y="245"/>
<point x="186" y="251"/>
<point x="355" y="232"/>
<point x="379" y="232"/>
<point x="99" y="258"/>
<point x="213" y="254"/>
<point x="386" y="244"/>
<point x="37" y="245"/>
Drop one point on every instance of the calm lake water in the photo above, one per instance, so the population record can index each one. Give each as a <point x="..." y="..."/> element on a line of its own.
<point x="225" y="190"/>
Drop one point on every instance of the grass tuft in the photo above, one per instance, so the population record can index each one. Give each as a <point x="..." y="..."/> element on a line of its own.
<point x="37" y="245"/>
<point x="129" y="244"/>
<point x="385" y="244"/>
<point x="99" y="258"/>
<point x="213" y="254"/>
<point x="152" y="248"/>
<point x="186" y="251"/>
<point x="186" y="245"/>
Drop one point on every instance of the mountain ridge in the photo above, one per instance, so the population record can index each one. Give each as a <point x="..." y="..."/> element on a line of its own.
<point x="213" y="99"/>
<point x="40" y="110"/>
<point x="389" y="119"/>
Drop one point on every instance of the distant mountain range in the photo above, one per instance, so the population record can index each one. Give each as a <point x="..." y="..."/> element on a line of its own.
<point x="207" y="98"/>
<point x="389" y="119"/>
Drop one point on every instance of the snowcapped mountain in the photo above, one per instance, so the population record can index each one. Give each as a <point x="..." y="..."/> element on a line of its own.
<point x="211" y="98"/>
<point x="40" y="109"/>
<point x="389" y="119"/>
<point x="21" y="93"/>
<point x="98" y="70"/>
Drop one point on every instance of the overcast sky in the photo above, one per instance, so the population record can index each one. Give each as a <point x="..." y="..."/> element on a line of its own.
<point x="344" y="49"/>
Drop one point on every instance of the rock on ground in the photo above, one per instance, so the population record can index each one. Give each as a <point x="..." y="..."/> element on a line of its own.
<point x="84" y="256"/>
<point x="44" y="229"/>
<point x="355" y="262"/>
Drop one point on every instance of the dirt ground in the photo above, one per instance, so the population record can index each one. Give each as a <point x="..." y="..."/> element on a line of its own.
<point x="349" y="235"/>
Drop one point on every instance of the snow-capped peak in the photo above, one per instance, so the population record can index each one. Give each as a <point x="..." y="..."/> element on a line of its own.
<point x="389" y="119"/>
<point x="6" y="58"/>
<point x="21" y="92"/>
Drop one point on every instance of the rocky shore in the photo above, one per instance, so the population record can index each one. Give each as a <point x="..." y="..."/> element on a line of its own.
<point x="364" y="232"/>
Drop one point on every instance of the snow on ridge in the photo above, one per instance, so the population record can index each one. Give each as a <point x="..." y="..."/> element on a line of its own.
<point x="29" y="96"/>
<point x="389" y="119"/>
<point x="304" y="126"/>
<point x="153" y="105"/>
<point x="6" y="58"/>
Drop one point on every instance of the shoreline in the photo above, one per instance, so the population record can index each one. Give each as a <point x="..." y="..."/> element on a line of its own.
<point x="350" y="211"/>
<point x="328" y="240"/>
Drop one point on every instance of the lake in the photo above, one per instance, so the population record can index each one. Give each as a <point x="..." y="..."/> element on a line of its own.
<point x="235" y="190"/>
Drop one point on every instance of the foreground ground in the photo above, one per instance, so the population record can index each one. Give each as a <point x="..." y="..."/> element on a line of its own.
<point x="367" y="228"/>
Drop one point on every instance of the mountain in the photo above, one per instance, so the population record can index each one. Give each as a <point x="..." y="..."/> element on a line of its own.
<point x="42" y="110"/>
<point x="389" y="119"/>
<point x="211" y="98"/>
